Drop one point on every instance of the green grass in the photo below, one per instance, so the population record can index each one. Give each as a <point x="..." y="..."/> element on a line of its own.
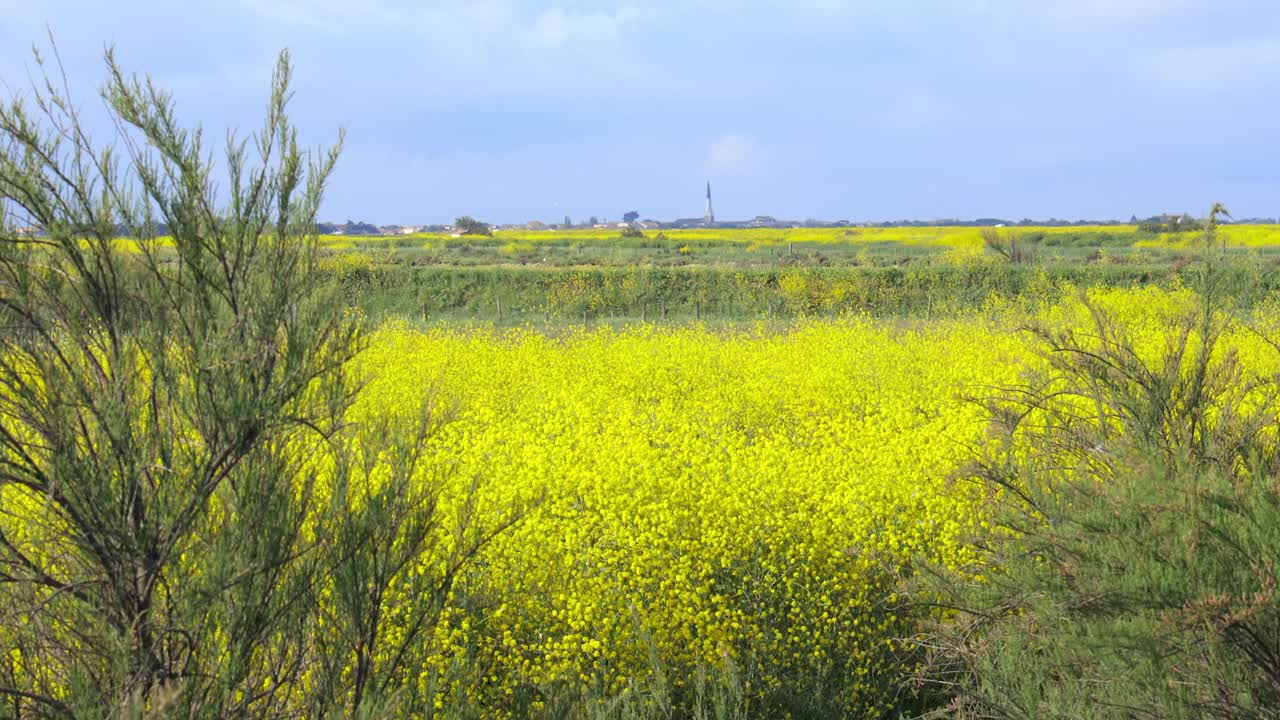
<point x="769" y="247"/>
<point x="580" y="276"/>
<point x="518" y="295"/>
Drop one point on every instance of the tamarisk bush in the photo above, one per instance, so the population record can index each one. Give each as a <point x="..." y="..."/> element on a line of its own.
<point x="1132" y="569"/>
<point x="188" y="525"/>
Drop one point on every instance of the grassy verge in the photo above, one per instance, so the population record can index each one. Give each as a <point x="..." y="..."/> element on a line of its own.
<point x="515" y="295"/>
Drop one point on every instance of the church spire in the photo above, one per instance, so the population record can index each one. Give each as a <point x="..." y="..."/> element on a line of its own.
<point x="710" y="217"/>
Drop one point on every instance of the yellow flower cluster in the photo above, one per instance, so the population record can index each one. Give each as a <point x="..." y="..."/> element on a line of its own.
<point x="709" y="495"/>
<point x="1241" y="236"/>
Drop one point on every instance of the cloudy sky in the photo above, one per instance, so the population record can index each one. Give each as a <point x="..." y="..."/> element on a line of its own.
<point x="513" y="110"/>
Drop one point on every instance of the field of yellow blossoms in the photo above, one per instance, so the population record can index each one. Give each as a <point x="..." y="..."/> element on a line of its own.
<point x="709" y="498"/>
<point x="1248" y="236"/>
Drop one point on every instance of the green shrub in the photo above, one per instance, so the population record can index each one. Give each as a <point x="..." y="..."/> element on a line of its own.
<point x="1132" y="568"/>
<point x="193" y="525"/>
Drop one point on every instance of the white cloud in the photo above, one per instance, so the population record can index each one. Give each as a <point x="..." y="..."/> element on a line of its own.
<point x="820" y="6"/>
<point x="1077" y="13"/>
<point x="1248" y="66"/>
<point x="735" y="154"/>
<point x="493" y="41"/>
<point x="475" y="24"/>
<point x="914" y="109"/>
<point x="1058" y="15"/>
<point x="1108" y="12"/>
<point x="324" y="16"/>
<point x="557" y="27"/>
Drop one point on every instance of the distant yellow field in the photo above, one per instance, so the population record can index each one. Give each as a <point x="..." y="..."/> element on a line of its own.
<point x="1247" y="236"/>
<point x="1240" y="236"/>
<point x="1236" y="235"/>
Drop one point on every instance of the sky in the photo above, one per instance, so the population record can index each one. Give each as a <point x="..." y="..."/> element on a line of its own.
<point x="517" y="110"/>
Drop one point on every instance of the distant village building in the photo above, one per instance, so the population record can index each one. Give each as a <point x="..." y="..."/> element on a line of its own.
<point x="683" y="223"/>
<point x="710" y="217"/>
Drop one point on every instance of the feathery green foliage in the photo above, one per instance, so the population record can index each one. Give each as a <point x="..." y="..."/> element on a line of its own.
<point x="1133" y="572"/>
<point x="190" y="526"/>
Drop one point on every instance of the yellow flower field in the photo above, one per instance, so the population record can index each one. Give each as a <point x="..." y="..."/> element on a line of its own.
<point x="943" y="237"/>
<point x="700" y="502"/>
<point x="712" y="497"/>
<point x="1252" y="236"/>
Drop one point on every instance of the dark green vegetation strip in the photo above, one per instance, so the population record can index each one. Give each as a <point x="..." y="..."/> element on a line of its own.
<point x="513" y="295"/>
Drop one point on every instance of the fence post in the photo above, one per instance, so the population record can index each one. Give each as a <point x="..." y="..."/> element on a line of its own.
<point x="499" y="301"/>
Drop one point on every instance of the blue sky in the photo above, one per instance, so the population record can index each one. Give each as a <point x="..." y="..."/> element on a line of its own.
<point x="514" y="110"/>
